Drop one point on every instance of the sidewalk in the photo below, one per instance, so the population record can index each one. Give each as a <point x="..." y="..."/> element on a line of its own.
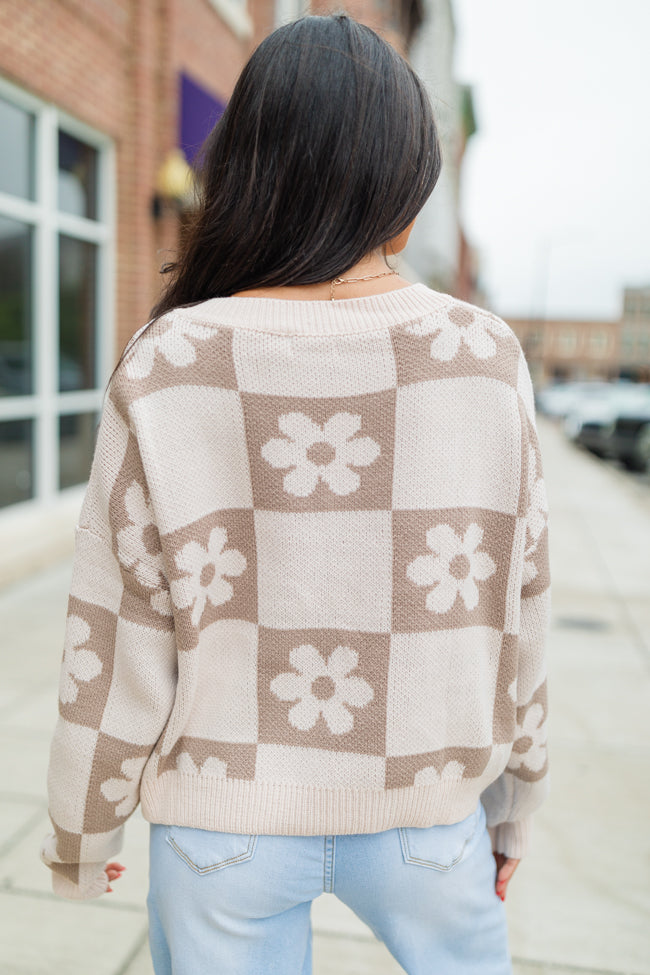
<point x="579" y="903"/>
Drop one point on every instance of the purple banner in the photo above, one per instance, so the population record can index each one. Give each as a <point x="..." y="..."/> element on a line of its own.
<point x="199" y="111"/>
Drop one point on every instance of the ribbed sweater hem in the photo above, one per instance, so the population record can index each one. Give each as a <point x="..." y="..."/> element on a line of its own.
<point x="243" y="806"/>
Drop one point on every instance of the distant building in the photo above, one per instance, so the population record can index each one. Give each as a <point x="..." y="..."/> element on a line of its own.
<point x="563" y="350"/>
<point x="438" y="251"/>
<point x="635" y="334"/>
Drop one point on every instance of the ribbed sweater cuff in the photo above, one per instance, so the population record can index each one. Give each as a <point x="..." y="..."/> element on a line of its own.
<point x="90" y="879"/>
<point x="512" y="839"/>
<point x="93" y="882"/>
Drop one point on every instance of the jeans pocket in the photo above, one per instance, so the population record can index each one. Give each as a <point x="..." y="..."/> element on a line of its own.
<point x="439" y="847"/>
<point x="205" y="851"/>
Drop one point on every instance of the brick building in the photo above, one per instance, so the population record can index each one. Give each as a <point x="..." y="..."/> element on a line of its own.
<point x="635" y="334"/>
<point x="93" y="98"/>
<point x="559" y="350"/>
<point x="102" y="107"/>
<point x="96" y="100"/>
<point x="438" y="251"/>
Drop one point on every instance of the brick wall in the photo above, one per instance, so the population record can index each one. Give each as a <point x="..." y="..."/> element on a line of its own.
<point x="569" y="349"/>
<point x="114" y="64"/>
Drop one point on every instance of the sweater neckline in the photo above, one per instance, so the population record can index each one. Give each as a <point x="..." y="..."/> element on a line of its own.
<point x="319" y="317"/>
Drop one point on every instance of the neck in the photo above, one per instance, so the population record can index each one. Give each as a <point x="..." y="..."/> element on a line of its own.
<point x="374" y="265"/>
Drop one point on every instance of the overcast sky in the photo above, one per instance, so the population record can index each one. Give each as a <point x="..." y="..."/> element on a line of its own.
<point x="556" y="182"/>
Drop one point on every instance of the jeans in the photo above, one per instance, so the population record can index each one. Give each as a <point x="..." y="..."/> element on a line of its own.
<point x="239" y="904"/>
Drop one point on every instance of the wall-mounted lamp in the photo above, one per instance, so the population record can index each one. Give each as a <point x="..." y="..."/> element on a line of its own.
<point x="174" y="185"/>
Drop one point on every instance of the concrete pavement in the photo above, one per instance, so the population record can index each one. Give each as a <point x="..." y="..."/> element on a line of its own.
<point x="579" y="903"/>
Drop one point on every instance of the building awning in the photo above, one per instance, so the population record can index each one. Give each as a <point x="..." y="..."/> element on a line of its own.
<point x="200" y="110"/>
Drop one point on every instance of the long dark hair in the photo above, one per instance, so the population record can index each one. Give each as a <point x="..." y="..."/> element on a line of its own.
<point x="327" y="150"/>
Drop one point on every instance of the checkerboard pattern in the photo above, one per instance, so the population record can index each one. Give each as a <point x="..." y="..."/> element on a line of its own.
<point x="310" y="588"/>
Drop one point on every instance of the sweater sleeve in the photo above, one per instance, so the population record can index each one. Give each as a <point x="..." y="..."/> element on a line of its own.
<point x="118" y="673"/>
<point x="513" y="797"/>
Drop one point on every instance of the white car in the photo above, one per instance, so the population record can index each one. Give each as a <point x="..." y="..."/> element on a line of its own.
<point x="560" y="399"/>
<point x="591" y="417"/>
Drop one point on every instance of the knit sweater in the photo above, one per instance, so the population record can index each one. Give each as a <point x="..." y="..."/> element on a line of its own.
<point x="310" y="589"/>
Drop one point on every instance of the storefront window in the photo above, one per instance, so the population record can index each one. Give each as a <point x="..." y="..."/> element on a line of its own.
<point x="17" y="467"/>
<point x="77" y="434"/>
<point x="77" y="314"/>
<point x="599" y="342"/>
<point x="568" y="341"/>
<point x="77" y="178"/>
<point x="54" y="264"/>
<point x="16" y="360"/>
<point x="17" y="156"/>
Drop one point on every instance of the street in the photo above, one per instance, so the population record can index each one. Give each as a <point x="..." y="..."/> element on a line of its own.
<point x="579" y="902"/>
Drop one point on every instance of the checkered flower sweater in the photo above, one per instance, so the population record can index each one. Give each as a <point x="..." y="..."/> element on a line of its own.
<point x="310" y="590"/>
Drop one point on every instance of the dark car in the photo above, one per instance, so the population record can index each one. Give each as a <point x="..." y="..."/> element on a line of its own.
<point x="629" y="436"/>
<point x="592" y="418"/>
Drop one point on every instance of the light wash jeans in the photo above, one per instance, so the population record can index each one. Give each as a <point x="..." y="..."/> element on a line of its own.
<point x="238" y="904"/>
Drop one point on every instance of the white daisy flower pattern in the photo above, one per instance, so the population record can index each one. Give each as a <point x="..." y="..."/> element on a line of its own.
<point x="453" y="568"/>
<point x="139" y="548"/>
<point x="138" y="545"/>
<point x="322" y="687"/>
<point x="79" y="663"/>
<point x="536" y="518"/>
<point x="124" y="791"/>
<point x="170" y="338"/>
<point x="529" y="749"/>
<point x="454" y="326"/>
<point x="316" y="453"/>
<point x="206" y="568"/>
<point x="431" y="776"/>
<point x="211" y="766"/>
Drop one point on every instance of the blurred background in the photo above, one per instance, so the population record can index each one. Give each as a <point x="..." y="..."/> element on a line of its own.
<point x="541" y="215"/>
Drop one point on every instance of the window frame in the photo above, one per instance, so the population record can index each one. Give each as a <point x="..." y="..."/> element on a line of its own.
<point x="568" y="342"/>
<point x="46" y="403"/>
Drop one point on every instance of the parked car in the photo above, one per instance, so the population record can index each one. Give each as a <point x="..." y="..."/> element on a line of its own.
<point x="590" y="422"/>
<point x="559" y="399"/>
<point x="629" y="439"/>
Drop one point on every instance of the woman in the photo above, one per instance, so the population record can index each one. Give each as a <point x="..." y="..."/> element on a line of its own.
<point x="310" y="591"/>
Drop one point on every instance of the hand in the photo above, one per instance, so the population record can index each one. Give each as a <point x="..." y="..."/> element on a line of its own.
<point x="506" y="866"/>
<point x="114" y="872"/>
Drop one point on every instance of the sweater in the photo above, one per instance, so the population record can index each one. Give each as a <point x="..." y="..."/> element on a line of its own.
<point x="310" y="588"/>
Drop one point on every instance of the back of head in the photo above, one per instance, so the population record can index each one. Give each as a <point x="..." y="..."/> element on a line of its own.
<point x="327" y="150"/>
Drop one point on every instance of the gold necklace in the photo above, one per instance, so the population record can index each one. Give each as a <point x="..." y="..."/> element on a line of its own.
<point x="366" y="277"/>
